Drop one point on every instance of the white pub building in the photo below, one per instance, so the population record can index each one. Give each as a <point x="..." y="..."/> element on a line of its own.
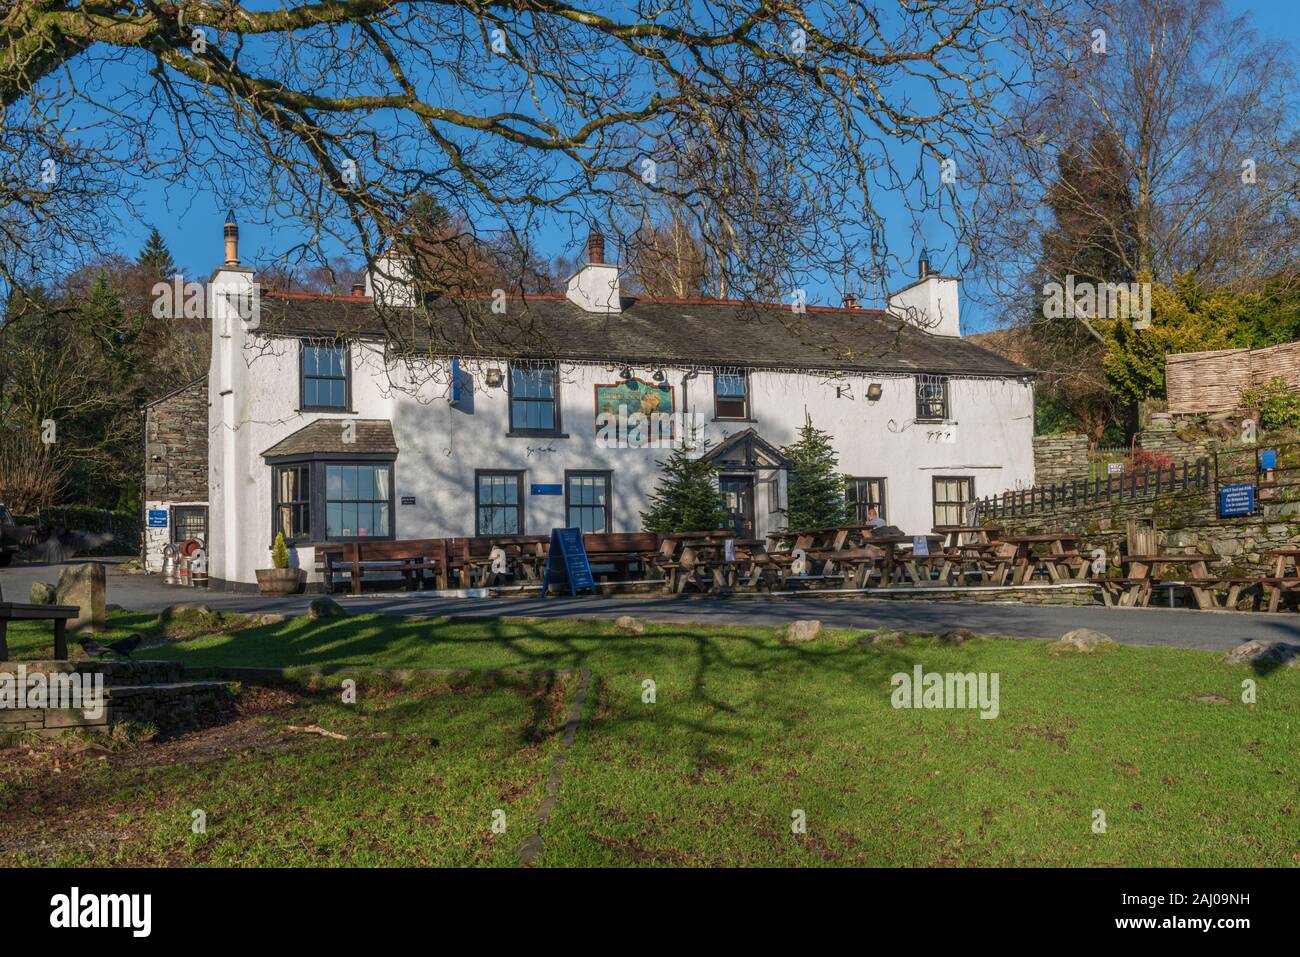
<point x="367" y="416"/>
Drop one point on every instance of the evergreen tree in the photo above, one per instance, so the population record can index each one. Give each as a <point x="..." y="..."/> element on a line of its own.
<point x="155" y="259"/>
<point x="687" y="497"/>
<point x="815" y="497"/>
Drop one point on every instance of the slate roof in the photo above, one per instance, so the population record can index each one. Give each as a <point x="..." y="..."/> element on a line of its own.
<point x="373" y="436"/>
<point x="647" y="332"/>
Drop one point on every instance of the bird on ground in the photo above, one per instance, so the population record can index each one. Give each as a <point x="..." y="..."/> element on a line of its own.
<point x="91" y="647"/>
<point x="125" y="646"/>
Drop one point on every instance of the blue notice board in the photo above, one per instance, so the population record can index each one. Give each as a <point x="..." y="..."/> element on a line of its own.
<point x="157" y="518"/>
<point x="1268" y="459"/>
<point x="566" y="562"/>
<point x="1236" y="500"/>
<point x="536" y="489"/>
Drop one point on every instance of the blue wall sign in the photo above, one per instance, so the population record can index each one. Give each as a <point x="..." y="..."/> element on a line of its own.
<point x="566" y="562"/>
<point x="546" y="489"/>
<point x="1268" y="459"/>
<point x="455" y="396"/>
<point x="1236" y="500"/>
<point x="157" y="518"/>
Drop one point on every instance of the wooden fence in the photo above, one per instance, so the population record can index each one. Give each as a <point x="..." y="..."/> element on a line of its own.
<point x="1213" y="381"/>
<point x="1139" y="484"/>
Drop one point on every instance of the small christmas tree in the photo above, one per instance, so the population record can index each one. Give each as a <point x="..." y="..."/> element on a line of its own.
<point x="279" y="552"/>
<point x="815" y="496"/>
<point x="687" y="497"/>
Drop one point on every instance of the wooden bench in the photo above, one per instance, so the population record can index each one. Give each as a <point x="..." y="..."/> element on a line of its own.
<point x="23" y="611"/>
<point x="623" y="549"/>
<point x="412" y="557"/>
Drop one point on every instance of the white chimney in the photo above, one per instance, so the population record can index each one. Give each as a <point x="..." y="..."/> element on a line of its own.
<point x="594" y="287"/>
<point x="929" y="303"/>
<point x="389" y="281"/>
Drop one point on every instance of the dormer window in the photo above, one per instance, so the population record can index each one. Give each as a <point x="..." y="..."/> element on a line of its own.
<point x="325" y="380"/>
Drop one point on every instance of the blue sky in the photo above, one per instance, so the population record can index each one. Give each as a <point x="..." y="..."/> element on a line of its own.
<point x="191" y="220"/>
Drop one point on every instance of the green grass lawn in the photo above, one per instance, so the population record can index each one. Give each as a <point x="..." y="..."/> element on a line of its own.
<point x="744" y="732"/>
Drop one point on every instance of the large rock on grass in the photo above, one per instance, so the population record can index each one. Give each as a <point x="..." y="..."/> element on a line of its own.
<point x="627" y="625"/>
<point x="325" y="608"/>
<point x="800" y="631"/>
<point x="1263" y="654"/>
<point x="1081" y="641"/>
<point x="43" y="593"/>
<point x="84" y="586"/>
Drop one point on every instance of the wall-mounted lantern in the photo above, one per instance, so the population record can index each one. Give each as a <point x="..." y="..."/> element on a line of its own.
<point x="493" y="378"/>
<point x="874" y="391"/>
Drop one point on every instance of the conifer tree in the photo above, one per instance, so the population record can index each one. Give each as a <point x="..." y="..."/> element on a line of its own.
<point x="155" y="258"/>
<point x="687" y="497"/>
<point x="815" y="495"/>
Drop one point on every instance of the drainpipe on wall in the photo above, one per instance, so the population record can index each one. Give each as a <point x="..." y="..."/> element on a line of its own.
<point x="686" y="405"/>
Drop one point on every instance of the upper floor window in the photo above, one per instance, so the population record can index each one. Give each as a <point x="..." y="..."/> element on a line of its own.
<point x="534" y="402"/>
<point x="324" y="376"/>
<point x="730" y="395"/>
<point x="931" y="397"/>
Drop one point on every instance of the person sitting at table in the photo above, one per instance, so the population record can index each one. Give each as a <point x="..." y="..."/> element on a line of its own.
<point x="874" y="520"/>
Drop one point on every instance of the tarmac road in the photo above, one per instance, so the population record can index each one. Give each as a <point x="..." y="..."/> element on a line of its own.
<point x="1181" y="628"/>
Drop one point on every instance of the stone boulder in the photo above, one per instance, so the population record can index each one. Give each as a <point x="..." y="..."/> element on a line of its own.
<point x="1263" y="654"/>
<point x="43" y="593"/>
<point x="270" y="619"/>
<point x="84" y="586"/>
<point x="325" y="608"/>
<point x="886" y="638"/>
<point x="627" y="625"/>
<point x="806" y="630"/>
<point x="957" y="636"/>
<point x="176" y="611"/>
<point x="1081" y="641"/>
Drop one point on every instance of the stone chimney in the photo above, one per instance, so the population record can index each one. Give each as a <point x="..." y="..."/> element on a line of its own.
<point x="232" y="239"/>
<point x="594" y="287"/>
<point x="930" y="302"/>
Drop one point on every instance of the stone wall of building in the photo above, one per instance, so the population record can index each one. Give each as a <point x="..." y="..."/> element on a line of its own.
<point x="1062" y="457"/>
<point x="176" y="446"/>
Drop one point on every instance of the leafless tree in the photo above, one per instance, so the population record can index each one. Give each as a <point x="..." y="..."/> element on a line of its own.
<point x="777" y="124"/>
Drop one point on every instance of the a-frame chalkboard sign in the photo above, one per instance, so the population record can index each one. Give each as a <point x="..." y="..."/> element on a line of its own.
<point x="566" y="562"/>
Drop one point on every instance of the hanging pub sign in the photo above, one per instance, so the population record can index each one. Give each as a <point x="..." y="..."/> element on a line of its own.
<point x="1236" y="500"/>
<point x="618" y="402"/>
<point x="566" y="562"/>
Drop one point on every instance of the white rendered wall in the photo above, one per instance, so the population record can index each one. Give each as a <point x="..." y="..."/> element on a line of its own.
<point x="991" y="428"/>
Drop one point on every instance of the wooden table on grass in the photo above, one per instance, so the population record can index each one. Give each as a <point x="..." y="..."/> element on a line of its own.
<point x="1134" y="590"/>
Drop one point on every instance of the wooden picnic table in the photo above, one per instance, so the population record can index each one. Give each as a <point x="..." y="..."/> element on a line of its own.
<point x="1282" y="582"/>
<point x="974" y="534"/>
<point x="700" y="559"/>
<point x="900" y="564"/>
<point x="1056" y="553"/>
<point x="1134" y="590"/>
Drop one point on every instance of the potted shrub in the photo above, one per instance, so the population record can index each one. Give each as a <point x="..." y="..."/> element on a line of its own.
<point x="280" y="580"/>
